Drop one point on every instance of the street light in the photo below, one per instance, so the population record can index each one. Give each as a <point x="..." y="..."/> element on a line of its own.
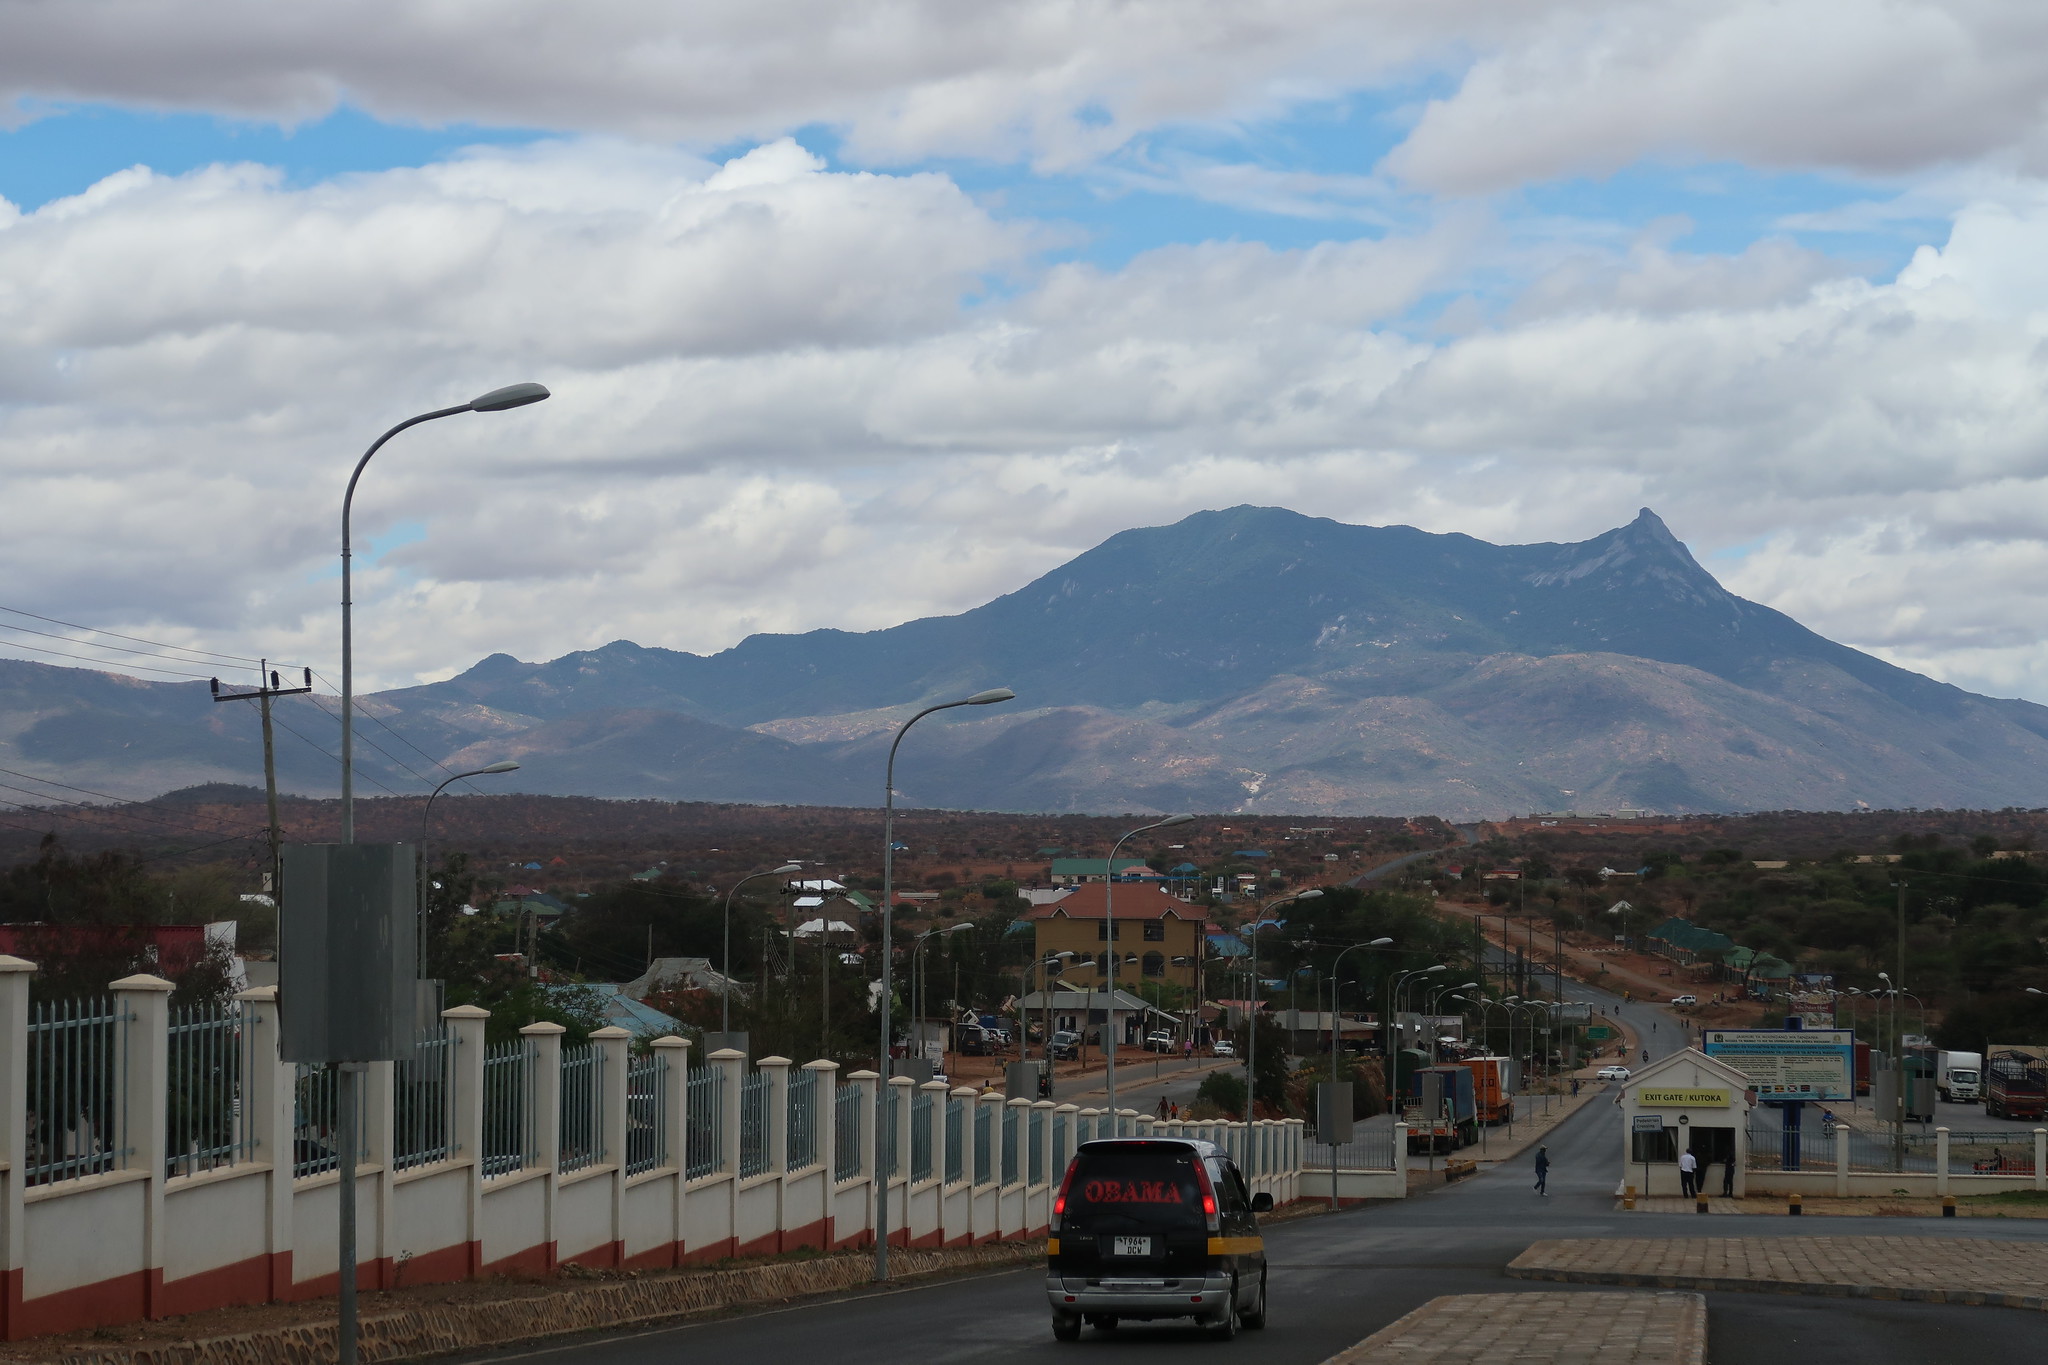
<point x="1432" y="995"/>
<point x="420" y="916"/>
<point x="1483" y="1002"/>
<point x="1045" y="989"/>
<point x="988" y="698"/>
<point x="497" y="400"/>
<point x="917" y="970"/>
<point x="725" y="959"/>
<point x="1369" y="946"/>
<point x="1109" y="937"/>
<point x="1251" y="1048"/>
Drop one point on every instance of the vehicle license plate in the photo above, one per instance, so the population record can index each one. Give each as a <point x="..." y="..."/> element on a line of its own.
<point x="1133" y="1246"/>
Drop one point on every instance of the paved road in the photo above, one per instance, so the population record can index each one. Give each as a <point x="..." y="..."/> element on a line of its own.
<point x="1337" y="1278"/>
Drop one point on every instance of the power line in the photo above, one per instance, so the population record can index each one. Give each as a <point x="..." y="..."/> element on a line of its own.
<point x="105" y="663"/>
<point x="393" y="731"/>
<point x="334" y="758"/>
<point x="135" y="639"/>
<point x="179" y="657"/>
<point x="389" y="756"/>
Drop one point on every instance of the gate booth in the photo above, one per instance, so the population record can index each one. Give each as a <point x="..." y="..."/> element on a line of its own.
<point x="1686" y="1102"/>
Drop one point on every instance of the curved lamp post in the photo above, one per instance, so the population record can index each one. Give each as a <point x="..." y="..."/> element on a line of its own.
<point x="988" y="698"/>
<point x="420" y="916"/>
<point x="1048" y="962"/>
<point x="1394" y="989"/>
<point x="725" y="952"/>
<point x="1109" y="938"/>
<point x="497" y="400"/>
<point x="917" y="1005"/>
<point x="1251" y="1048"/>
<point x="1483" y="1002"/>
<point x="1432" y="996"/>
<point x="1372" y="945"/>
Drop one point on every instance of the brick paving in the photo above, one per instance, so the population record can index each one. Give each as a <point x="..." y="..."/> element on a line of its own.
<point x="1542" y="1329"/>
<point x="1922" y="1269"/>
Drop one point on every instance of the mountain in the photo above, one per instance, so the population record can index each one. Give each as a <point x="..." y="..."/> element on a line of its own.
<point x="1246" y="659"/>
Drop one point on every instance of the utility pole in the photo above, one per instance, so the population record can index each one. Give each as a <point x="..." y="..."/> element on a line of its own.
<point x="1899" y="1042"/>
<point x="266" y="689"/>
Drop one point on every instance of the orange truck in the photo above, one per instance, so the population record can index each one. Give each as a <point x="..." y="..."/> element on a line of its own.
<point x="1493" y="1087"/>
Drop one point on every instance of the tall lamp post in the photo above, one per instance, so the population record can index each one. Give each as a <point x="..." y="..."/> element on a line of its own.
<point x="1433" y="995"/>
<point x="725" y="950"/>
<point x="1251" y="1049"/>
<point x="1047" y="963"/>
<point x="917" y="1005"/>
<point x="1109" y="939"/>
<point x="1483" y="1002"/>
<point x="420" y="915"/>
<point x="497" y="400"/>
<point x="1372" y="945"/>
<point x="987" y="698"/>
<point x="1394" y="988"/>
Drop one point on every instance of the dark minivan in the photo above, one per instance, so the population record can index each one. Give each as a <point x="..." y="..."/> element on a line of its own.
<point x="1148" y="1228"/>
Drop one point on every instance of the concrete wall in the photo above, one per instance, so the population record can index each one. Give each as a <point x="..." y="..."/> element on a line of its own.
<point x="134" y="1242"/>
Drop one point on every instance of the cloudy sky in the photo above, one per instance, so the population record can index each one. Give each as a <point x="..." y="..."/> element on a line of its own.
<point x="861" y="310"/>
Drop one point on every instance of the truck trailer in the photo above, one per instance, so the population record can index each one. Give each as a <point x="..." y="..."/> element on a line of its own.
<point x="1493" y="1088"/>
<point x="1453" y="1124"/>
<point x="2015" y="1081"/>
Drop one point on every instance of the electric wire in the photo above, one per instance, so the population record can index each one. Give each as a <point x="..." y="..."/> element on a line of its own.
<point x="104" y="663"/>
<point x="395" y="733"/>
<point x="178" y="658"/>
<point x="394" y="760"/>
<point x="135" y="639"/>
<point x="369" y="777"/>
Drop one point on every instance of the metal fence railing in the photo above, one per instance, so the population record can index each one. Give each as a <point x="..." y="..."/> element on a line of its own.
<point x="984" y="1145"/>
<point x="800" y="1123"/>
<point x="920" y="1135"/>
<point x="582" y="1134"/>
<point x="888" y="1157"/>
<point x="77" y="1074"/>
<point x="316" y="1119"/>
<point x="1811" y="1147"/>
<point x="1371" y="1148"/>
<point x="754" y="1096"/>
<point x="848" y="1115"/>
<point x="956" y="1140"/>
<point x="1009" y="1146"/>
<point x="704" y="1107"/>
<point x="1990" y="1153"/>
<point x="1062" y="1145"/>
<point x="1035" y="1135"/>
<point x="646" y="1113"/>
<point x="423" y="1097"/>
<point x="209" y="1057"/>
<point x="508" y="1109"/>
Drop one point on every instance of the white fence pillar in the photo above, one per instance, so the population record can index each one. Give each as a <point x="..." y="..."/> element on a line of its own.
<point x="865" y="1083"/>
<point x="546" y="1097"/>
<point x="14" y="977"/>
<point x="1841" y="1161"/>
<point x="1401" y="1152"/>
<point x="825" y="1137"/>
<point x="267" y="1122"/>
<point x="465" y="1025"/>
<point x="674" y="1119"/>
<point x="146" y="1000"/>
<point x="614" y="1046"/>
<point x="1941" y="1161"/>
<point x="2041" y="1158"/>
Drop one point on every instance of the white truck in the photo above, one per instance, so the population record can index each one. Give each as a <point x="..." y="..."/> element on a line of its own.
<point x="1960" y="1077"/>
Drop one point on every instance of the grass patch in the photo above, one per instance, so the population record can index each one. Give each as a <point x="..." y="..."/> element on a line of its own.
<point x="2007" y="1198"/>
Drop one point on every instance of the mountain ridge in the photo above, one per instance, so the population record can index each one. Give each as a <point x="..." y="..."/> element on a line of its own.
<point x="1242" y="658"/>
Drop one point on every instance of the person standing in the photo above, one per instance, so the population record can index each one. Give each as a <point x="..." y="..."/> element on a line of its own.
<point x="1688" y="1173"/>
<point x="1543" y="1171"/>
<point x="1728" y="1178"/>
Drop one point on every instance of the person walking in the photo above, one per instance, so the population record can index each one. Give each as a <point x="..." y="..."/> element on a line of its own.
<point x="1543" y="1171"/>
<point x="1728" y="1178"/>
<point x="1688" y="1173"/>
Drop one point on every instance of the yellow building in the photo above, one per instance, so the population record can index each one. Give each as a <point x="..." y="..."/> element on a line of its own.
<point x="1159" y="937"/>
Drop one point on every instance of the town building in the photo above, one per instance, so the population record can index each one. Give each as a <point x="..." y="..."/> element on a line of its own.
<point x="1159" y="936"/>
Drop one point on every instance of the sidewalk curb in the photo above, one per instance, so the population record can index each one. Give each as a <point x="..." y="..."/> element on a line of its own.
<point x="1431" y="1333"/>
<point x="442" y="1329"/>
<point x="1991" y="1298"/>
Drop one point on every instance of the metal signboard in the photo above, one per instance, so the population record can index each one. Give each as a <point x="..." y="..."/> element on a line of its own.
<point x="347" y="952"/>
<point x="1789" y="1064"/>
<point x="1682" y="1099"/>
<point x="1333" y="1113"/>
<point x="1647" y="1123"/>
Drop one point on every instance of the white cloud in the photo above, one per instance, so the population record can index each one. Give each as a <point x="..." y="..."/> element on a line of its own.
<point x="787" y="398"/>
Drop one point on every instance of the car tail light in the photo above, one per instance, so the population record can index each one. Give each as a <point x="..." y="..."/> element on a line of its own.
<point x="1208" y="1195"/>
<point x="1059" y="1202"/>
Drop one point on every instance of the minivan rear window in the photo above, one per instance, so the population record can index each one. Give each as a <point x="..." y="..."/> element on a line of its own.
<point x="1134" y="1188"/>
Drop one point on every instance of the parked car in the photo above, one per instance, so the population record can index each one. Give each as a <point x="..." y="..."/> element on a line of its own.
<point x="1065" y="1046"/>
<point x="1685" y="1000"/>
<point x="1613" y="1073"/>
<point x="1160" y="1040"/>
<point x="1222" y="1047"/>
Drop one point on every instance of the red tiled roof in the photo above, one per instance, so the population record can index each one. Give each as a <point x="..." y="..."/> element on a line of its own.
<point x="1133" y="901"/>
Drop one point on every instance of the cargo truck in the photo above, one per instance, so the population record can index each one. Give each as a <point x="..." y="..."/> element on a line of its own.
<point x="1454" y="1123"/>
<point x="1862" y="1067"/>
<point x="1493" y="1088"/>
<point x="1961" y="1077"/>
<point x="2015" y="1081"/>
